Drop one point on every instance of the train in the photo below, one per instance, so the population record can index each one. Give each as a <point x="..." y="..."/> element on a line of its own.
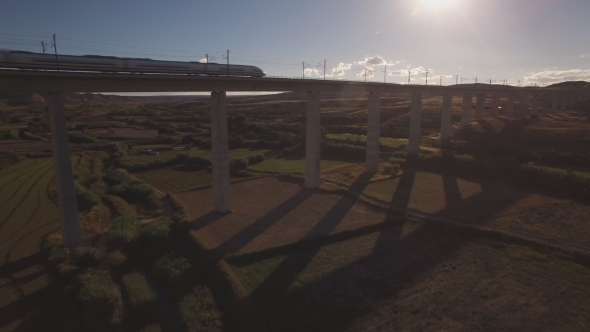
<point x="97" y="63"/>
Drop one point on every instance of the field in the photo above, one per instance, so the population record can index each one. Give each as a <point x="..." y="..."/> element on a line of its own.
<point x="176" y="180"/>
<point x="314" y="261"/>
<point x="27" y="215"/>
<point x="282" y="165"/>
<point x="386" y="141"/>
<point x="417" y="278"/>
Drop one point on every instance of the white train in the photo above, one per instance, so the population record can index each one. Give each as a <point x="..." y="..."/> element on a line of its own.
<point x="30" y="60"/>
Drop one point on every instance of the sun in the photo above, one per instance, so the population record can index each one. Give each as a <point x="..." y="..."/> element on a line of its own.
<point x="437" y="3"/>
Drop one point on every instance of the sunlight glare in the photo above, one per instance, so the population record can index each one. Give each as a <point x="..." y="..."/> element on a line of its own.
<point x="437" y="3"/>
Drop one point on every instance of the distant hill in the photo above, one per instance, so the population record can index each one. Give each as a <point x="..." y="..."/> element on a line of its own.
<point x="570" y="84"/>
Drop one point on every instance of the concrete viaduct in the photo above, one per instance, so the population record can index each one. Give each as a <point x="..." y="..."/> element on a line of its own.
<point x="52" y="84"/>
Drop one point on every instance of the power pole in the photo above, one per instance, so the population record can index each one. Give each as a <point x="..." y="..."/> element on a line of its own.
<point x="385" y="75"/>
<point x="427" y="76"/>
<point x="475" y="80"/>
<point x="55" y="49"/>
<point x="227" y="67"/>
<point x="440" y="80"/>
<point x="43" y="46"/>
<point x="456" y="79"/>
<point x="324" y="70"/>
<point x="409" y="75"/>
<point x="207" y="58"/>
<point x="303" y="63"/>
<point x="365" y="74"/>
<point x="519" y="83"/>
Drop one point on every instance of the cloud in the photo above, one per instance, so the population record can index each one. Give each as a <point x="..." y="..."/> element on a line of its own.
<point x="203" y="60"/>
<point x="340" y="69"/>
<point x="374" y="61"/>
<point x="311" y="71"/>
<point x="377" y="32"/>
<point x="369" y="71"/>
<point x="583" y="56"/>
<point x="555" y="76"/>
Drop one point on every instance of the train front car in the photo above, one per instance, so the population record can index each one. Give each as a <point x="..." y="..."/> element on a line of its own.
<point x="257" y="72"/>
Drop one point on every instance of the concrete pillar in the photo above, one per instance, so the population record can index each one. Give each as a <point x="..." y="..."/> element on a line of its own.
<point x="545" y="104"/>
<point x="554" y="104"/>
<point x="64" y="176"/>
<point x="480" y="106"/>
<point x="415" y="124"/>
<point x="466" y="112"/>
<point x="220" y="153"/>
<point x="535" y="105"/>
<point x="445" y="123"/>
<point x="373" y="132"/>
<point x="563" y="105"/>
<point x="523" y="105"/>
<point x="510" y="105"/>
<point x="495" y="105"/>
<point x="313" y="141"/>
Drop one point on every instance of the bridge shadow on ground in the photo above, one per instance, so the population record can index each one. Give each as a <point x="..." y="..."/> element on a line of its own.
<point x="340" y="296"/>
<point x="40" y="309"/>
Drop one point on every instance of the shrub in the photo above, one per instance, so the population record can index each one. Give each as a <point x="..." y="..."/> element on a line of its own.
<point x="394" y="160"/>
<point x="115" y="176"/>
<point x="199" y="311"/>
<point x="142" y="298"/>
<point x="395" y="168"/>
<point x="116" y="259"/>
<point x="344" y="151"/>
<point x="169" y="269"/>
<point x="250" y="135"/>
<point x="85" y="257"/>
<point x="155" y="232"/>
<point x="59" y="254"/>
<point x="119" y="205"/>
<point x="86" y="197"/>
<point x="388" y="168"/>
<point x="133" y="190"/>
<point x="99" y="300"/>
<point x="241" y="163"/>
<point x="197" y="160"/>
<point x="153" y="327"/>
<point x="123" y="230"/>
<point x="8" y="158"/>
<point x="253" y="160"/>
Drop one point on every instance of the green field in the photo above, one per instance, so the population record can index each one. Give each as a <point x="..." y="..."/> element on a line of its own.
<point x="292" y="165"/>
<point x="27" y="215"/>
<point x="233" y="154"/>
<point x="386" y="141"/>
<point x="170" y="180"/>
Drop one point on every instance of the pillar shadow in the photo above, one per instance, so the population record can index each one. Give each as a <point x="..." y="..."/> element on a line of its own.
<point x="205" y="220"/>
<point x="253" y="230"/>
<point x="279" y="281"/>
<point x="487" y="126"/>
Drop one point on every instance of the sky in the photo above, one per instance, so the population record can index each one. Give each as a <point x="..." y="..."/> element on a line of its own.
<point x="522" y="42"/>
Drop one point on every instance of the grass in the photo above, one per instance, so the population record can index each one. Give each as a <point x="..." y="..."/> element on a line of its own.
<point x="416" y="277"/>
<point x="386" y="141"/>
<point x="233" y="154"/>
<point x="292" y="165"/>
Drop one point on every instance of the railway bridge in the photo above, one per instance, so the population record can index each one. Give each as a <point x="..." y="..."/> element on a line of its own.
<point x="52" y="84"/>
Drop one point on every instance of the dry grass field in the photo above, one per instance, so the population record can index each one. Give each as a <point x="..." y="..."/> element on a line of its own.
<point x="27" y="215"/>
<point x="311" y="260"/>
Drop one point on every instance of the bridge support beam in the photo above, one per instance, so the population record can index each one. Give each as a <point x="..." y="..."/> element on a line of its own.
<point x="535" y="105"/>
<point x="523" y="106"/>
<point x="510" y="105"/>
<point x="466" y="112"/>
<point x="554" y="104"/>
<point x="480" y="106"/>
<point x="64" y="176"/>
<point x="563" y="105"/>
<point x="220" y="153"/>
<point x="445" y="123"/>
<point x="373" y="132"/>
<point x="313" y="141"/>
<point x="495" y="105"/>
<point x="545" y="104"/>
<point x="415" y="125"/>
